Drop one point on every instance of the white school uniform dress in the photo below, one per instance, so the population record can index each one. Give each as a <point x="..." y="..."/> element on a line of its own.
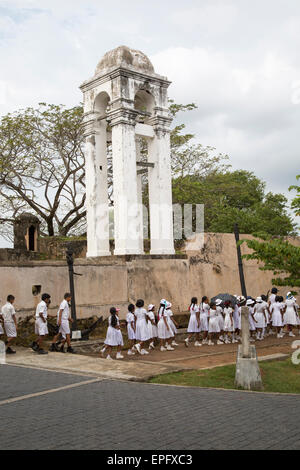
<point x="7" y="312"/>
<point x="220" y="317"/>
<point x="265" y="304"/>
<point x="297" y="315"/>
<point x="237" y="317"/>
<point x="228" y="321"/>
<point x="252" y="324"/>
<point x="141" y="326"/>
<point x="259" y="315"/>
<point x="114" y="336"/>
<point x="204" y="310"/>
<point x="64" y="328"/>
<point x="130" y="318"/>
<point x="41" y="328"/>
<point x="276" y="310"/>
<point x="213" y="323"/>
<point x="170" y="321"/>
<point x="1" y="330"/>
<point x="151" y="326"/>
<point x="290" y="316"/>
<point x="193" y="325"/>
<point x="163" y="331"/>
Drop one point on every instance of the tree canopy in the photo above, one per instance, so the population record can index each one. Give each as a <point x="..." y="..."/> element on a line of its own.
<point x="42" y="171"/>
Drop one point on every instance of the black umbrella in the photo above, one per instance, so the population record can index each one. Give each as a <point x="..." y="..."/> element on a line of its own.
<point x="225" y="298"/>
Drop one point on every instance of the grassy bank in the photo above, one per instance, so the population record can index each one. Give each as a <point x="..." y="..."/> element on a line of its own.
<point x="278" y="376"/>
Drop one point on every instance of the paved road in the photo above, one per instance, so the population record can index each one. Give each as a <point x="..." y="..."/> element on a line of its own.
<point x="126" y="415"/>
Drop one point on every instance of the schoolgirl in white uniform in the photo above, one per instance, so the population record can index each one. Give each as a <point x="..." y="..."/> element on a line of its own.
<point x="152" y="326"/>
<point x="130" y="320"/>
<point x="237" y="319"/>
<point x="252" y="322"/>
<point x="213" y="325"/>
<point x="220" y="318"/>
<point x="114" y="336"/>
<point x="271" y="301"/>
<point x="260" y="318"/>
<point x="165" y="333"/>
<point x="267" y="328"/>
<point x="290" y="313"/>
<point x="194" y="323"/>
<point x="8" y="314"/>
<point x="172" y="322"/>
<point x="277" y="312"/>
<point x="228" y="322"/>
<point x="204" y="312"/>
<point x="141" y="327"/>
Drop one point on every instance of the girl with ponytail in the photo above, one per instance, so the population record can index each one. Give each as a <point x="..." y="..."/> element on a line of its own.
<point x="114" y="336"/>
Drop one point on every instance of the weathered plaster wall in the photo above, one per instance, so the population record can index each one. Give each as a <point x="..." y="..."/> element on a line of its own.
<point x="122" y="279"/>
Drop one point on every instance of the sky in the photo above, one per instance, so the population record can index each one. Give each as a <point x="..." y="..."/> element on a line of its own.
<point x="237" y="60"/>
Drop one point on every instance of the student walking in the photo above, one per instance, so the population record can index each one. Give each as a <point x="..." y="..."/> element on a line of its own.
<point x="260" y="318"/>
<point x="114" y="336"/>
<point x="141" y="327"/>
<point x="130" y="319"/>
<point x="41" y="326"/>
<point x="277" y="312"/>
<point x="204" y="312"/>
<point x="172" y="322"/>
<point x="194" y="323"/>
<point x="10" y="323"/>
<point x="63" y="321"/>
<point x="165" y="333"/>
<point x="213" y="325"/>
<point x="153" y="333"/>
<point x="290" y="313"/>
<point x="228" y="322"/>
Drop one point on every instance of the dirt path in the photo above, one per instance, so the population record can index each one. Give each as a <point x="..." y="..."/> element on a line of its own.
<point x="209" y="356"/>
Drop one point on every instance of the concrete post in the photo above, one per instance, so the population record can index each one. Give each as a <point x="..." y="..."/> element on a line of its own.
<point x="245" y="333"/>
<point x="247" y="374"/>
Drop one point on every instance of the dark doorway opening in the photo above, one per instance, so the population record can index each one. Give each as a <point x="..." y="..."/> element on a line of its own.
<point x="31" y="238"/>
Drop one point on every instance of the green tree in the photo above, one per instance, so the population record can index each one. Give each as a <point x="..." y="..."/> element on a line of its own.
<point x="296" y="200"/>
<point x="278" y="256"/>
<point x="42" y="166"/>
<point x="234" y="197"/>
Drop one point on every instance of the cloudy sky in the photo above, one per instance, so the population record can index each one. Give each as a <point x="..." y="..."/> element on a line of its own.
<point x="237" y="60"/>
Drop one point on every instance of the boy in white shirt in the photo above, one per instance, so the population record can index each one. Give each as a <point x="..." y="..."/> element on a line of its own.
<point x="41" y="327"/>
<point x="8" y="315"/>
<point x="63" y="321"/>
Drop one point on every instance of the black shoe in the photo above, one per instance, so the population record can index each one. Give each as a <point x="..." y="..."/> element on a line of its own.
<point x="53" y="348"/>
<point x="62" y="349"/>
<point x="41" y="351"/>
<point x="71" y="350"/>
<point x="34" y="346"/>
<point x="10" y="351"/>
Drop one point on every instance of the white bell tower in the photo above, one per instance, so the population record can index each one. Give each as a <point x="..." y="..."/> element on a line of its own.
<point x="129" y="98"/>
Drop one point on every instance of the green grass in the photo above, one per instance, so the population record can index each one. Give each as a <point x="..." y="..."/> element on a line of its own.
<point x="277" y="376"/>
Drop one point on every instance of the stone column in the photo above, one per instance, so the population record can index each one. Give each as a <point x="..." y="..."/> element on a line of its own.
<point x="160" y="192"/>
<point x="96" y="188"/>
<point x="126" y="210"/>
<point x="140" y="199"/>
<point x="245" y="333"/>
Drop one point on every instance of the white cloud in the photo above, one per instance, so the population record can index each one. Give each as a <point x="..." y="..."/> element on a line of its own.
<point x="238" y="60"/>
